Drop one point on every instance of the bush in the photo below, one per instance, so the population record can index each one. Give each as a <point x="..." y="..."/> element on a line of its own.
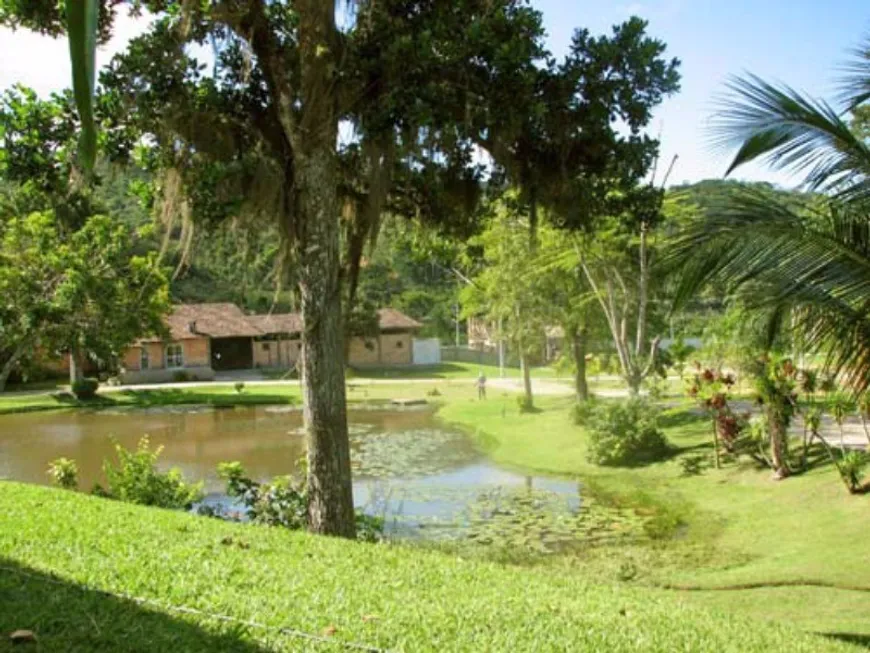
<point x="239" y="386"/>
<point x="582" y="411"/>
<point x="279" y="503"/>
<point x="525" y="404"/>
<point x="851" y="467"/>
<point x="85" y="389"/>
<point x="64" y="473"/>
<point x="283" y="502"/>
<point x="181" y="377"/>
<point x="136" y="480"/>
<point x="625" y="433"/>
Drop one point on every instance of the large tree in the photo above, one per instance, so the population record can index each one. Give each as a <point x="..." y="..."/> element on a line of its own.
<point x="85" y="292"/>
<point x="258" y="135"/>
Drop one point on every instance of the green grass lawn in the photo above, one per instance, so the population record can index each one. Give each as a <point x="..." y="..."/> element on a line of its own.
<point x="799" y="543"/>
<point x="446" y="370"/>
<point x="88" y="574"/>
<point x="218" y="394"/>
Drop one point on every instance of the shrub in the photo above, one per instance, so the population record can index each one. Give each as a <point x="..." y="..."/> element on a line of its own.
<point x="64" y="473"/>
<point x="369" y="528"/>
<point x="693" y="465"/>
<point x="625" y="433"/>
<point x="181" y="377"/>
<point x="85" y="389"/>
<point x="279" y="503"/>
<point x="851" y="467"/>
<point x="239" y="386"/>
<point x="582" y="411"/>
<point x="283" y="502"/>
<point x="525" y="404"/>
<point x="136" y="480"/>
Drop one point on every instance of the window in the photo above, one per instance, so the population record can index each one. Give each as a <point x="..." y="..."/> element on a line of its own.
<point x="144" y="359"/>
<point x="174" y="356"/>
<point x="266" y="346"/>
<point x="398" y="344"/>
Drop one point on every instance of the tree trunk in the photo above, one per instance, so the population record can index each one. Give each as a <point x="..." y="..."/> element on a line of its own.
<point x="716" y="444"/>
<point x="9" y="365"/>
<point x="76" y="365"/>
<point x="527" y="379"/>
<point x="578" y="342"/>
<point x="330" y="508"/>
<point x="778" y="446"/>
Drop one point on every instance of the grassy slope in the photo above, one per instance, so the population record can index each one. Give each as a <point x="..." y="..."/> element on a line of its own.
<point x="387" y="596"/>
<point x="742" y="527"/>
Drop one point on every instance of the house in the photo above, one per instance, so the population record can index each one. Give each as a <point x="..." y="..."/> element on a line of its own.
<point x="209" y="338"/>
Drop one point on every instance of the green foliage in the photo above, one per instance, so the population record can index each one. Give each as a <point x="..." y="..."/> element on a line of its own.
<point x="279" y="503"/>
<point x="136" y="479"/>
<point x="693" y="465"/>
<point x="180" y="376"/>
<point x="840" y="406"/>
<point x="851" y="466"/>
<point x="525" y="404"/>
<point x="85" y="389"/>
<point x="680" y="352"/>
<point x="282" y="502"/>
<point x="804" y="263"/>
<point x="64" y="473"/>
<point x="239" y="387"/>
<point x="625" y="433"/>
<point x="86" y="291"/>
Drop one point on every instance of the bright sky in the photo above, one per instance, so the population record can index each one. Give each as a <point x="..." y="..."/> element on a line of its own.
<point x="800" y="42"/>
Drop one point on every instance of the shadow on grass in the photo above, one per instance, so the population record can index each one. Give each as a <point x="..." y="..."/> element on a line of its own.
<point x="440" y="371"/>
<point x="69" y="399"/>
<point x="66" y="616"/>
<point x="858" y="639"/>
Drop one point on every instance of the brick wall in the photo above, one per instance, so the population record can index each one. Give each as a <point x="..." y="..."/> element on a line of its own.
<point x="363" y="351"/>
<point x="396" y="349"/>
<point x="196" y="352"/>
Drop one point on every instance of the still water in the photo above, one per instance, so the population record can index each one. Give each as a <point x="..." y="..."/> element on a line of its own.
<point x="411" y="470"/>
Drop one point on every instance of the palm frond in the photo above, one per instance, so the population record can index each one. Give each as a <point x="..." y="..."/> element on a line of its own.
<point x="855" y="85"/>
<point x="82" y="29"/>
<point x="788" y="131"/>
<point x="778" y="257"/>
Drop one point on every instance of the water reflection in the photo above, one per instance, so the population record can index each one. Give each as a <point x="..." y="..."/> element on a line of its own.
<point x="421" y="477"/>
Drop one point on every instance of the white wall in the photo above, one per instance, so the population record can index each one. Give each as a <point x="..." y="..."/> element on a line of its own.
<point x="426" y="351"/>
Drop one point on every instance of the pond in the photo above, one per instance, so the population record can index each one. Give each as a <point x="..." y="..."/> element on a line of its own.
<point x="425" y="480"/>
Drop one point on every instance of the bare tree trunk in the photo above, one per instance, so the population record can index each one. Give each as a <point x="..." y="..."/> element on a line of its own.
<point x="9" y="365"/>
<point x="527" y="379"/>
<point x="643" y="290"/>
<point x="76" y="365"/>
<point x="716" y="444"/>
<point x="578" y="342"/>
<point x="330" y="508"/>
<point x="778" y="446"/>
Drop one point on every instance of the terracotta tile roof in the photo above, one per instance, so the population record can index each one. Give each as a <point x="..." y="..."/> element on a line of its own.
<point x="214" y="320"/>
<point x="277" y="323"/>
<point x="229" y="321"/>
<point x="390" y="318"/>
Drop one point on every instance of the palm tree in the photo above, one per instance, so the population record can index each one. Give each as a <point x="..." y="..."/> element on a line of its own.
<point x="808" y="260"/>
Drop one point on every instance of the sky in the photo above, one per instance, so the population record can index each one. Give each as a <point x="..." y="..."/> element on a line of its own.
<point x="799" y="42"/>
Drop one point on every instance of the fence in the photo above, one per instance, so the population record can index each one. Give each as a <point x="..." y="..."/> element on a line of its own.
<point x="476" y="356"/>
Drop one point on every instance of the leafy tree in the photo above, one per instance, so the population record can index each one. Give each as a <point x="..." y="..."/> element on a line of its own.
<point x="87" y="292"/>
<point x="257" y="136"/>
<point x="810" y="263"/>
<point x="504" y="291"/>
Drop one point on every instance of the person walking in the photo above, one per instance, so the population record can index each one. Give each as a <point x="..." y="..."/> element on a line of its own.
<point x="481" y="386"/>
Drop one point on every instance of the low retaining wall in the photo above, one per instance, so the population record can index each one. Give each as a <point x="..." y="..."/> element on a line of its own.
<point x="135" y="377"/>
